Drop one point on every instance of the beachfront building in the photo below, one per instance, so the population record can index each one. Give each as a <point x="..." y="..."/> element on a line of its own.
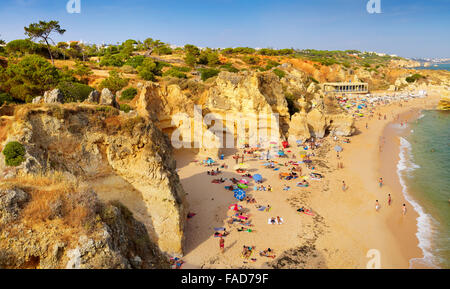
<point x="346" y="87"/>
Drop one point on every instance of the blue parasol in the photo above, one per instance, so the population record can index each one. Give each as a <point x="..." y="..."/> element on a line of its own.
<point x="257" y="177"/>
<point x="239" y="194"/>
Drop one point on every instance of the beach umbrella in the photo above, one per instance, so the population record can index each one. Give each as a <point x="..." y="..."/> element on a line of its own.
<point x="243" y="181"/>
<point x="210" y="161"/>
<point x="239" y="194"/>
<point x="257" y="177"/>
<point x="242" y="186"/>
<point x="281" y="153"/>
<point x="234" y="207"/>
<point x="338" y="148"/>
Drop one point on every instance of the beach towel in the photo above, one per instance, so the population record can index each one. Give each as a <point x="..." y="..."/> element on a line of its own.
<point x="219" y="229"/>
<point x="191" y="215"/>
<point x="262" y="209"/>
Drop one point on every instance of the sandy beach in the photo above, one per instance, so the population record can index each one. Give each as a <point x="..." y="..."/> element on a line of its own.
<point x="345" y="225"/>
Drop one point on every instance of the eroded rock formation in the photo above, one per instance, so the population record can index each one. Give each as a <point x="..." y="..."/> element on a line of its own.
<point x="122" y="157"/>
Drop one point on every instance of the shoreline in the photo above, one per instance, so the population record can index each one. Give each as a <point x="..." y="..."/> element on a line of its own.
<point x="404" y="229"/>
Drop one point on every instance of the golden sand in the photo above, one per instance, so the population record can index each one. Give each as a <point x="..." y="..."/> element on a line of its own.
<point x="345" y="226"/>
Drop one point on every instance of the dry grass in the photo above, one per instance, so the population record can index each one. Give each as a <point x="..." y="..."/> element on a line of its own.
<point x="54" y="197"/>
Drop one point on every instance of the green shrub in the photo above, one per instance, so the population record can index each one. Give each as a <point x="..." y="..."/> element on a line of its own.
<point x="75" y="92"/>
<point x="174" y="73"/>
<point x="32" y="76"/>
<point x="271" y="64"/>
<point x="208" y="73"/>
<point x="414" y="78"/>
<point x="5" y="98"/>
<point x="135" y="61"/>
<point x="149" y="69"/>
<point x="279" y="73"/>
<point x="229" y="67"/>
<point x="129" y="93"/>
<point x="182" y="68"/>
<point x="125" y="107"/>
<point x="116" y="60"/>
<point x="114" y="82"/>
<point x="252" y="60"/>
<point x="14" y="153"/>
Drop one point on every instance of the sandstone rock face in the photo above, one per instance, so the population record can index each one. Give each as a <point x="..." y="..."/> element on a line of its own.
<point x="94" y="97"/>
<point x="54" y="96"/>
<point x="108" y="98"/>
<point x="131" y="151"/>
<point x="299" y="129"/>
<point x="116" y="241"/>
<point x="249" y="95"/>
<point x="165" y="105"/>
<point x="317" y="122"/>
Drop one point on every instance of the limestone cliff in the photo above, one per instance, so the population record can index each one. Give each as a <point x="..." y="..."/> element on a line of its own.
<point x="120" y="156"/>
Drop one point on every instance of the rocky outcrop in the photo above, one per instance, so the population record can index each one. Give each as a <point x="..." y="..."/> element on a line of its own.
<point x="108" y="98"/>
<point x="53" y="96"/>
<point x="11" y="200"/>
<point x="106" y="236"/>
<point x="88" y="143"/>
<point x="94" y="97"/>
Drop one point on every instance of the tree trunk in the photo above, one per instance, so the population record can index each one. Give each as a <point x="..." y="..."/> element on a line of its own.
<point x="50" y="52"/>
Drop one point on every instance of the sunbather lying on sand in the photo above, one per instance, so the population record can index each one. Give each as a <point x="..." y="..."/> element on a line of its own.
<point x="267" y="253"/>
<point x="242" y="229"/>
<point x="247" y="251"/>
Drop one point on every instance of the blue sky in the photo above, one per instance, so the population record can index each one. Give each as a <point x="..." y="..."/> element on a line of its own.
<point x="410" y="28"/>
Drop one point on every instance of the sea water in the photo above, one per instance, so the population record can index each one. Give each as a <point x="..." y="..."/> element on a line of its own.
<point x="424" y="171"/>
<point x="441" y="66"/>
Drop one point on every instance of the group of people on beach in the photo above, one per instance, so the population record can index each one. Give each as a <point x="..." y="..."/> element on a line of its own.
<point x="389" y="199"/>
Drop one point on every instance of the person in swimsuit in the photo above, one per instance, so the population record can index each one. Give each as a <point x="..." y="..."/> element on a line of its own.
<point x="404" y="209"/>
<point x="377" y="206"/>
<point x="389" y="199"/>
<point x="381" y="182"/>
<point x="222" y="245"/>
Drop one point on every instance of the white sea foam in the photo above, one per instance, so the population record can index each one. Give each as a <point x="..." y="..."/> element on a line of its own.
<point x="424" y="221"/>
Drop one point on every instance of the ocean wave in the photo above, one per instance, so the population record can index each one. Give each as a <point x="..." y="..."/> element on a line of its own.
<point x="424" y="221"/>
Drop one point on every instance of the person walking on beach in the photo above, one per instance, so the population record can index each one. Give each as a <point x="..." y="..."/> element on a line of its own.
<point x="404" y="209"/>
<point x="344" y="187"/>
<point x="389" y="199"/>
<point x="367" y="125"/>
<point x="377" y="206"/>
<point x="222" y="245"/>
<point x="381" y="182"/>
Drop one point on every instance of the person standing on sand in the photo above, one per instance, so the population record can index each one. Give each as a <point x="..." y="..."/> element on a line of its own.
<point x="377" y="206"/>
<point x="367" y="125"/>
<point x="404" y="209"/>
<point x="222" y="245"/>
<point x="344" y="187"/>
<point x="389" y="199"/>
<point x="381" y="182"/>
